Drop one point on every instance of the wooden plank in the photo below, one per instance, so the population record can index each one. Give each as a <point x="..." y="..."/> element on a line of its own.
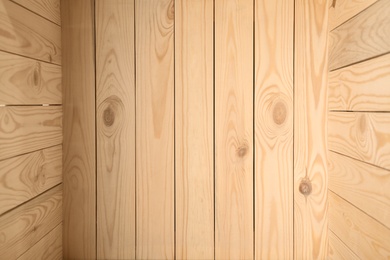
<point x="274" y="24"/>
<point x="364" y="185"/>
<point x="27" y="224"/>
<point x="363" y="136"/>
<point x="79" y="129"/>
<point x="310" y="124"/>
<point x="49" y="247"/>
<point x="26" y="176"/>
<point x="25" y="33"/>
<point x="366" y="237"/>
<point x="26" y="81"/>
<point x="343" y="10"/>
<point x="155" y="129"/>
<point x="27" y="129"/>
<point x="234" y="129"/>
<point x="361" y="87"/>
<point x="115" y="129"/>
<point x="49" y="9"/>
<point x="194" y="129"/>
<point x="338" y="250"/>
<point x="365" y="36"/>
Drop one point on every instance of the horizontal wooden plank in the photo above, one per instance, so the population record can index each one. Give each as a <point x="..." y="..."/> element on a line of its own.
<point x="26" y="176"/>
<point x="25" y="81"/>
<point x="25" y="33"/>
<point x="49" y="247"/>
<point x="361" y="87"/>
<point x="338" y="250"/>
<point x="366" y="237"/>
<point x="27" y="224"/>
<point x="365" y="36"/>
<point x="27" y="129"/>
<point x="364" y="185"/>
<point x="363" y="136"/>
<point x="50" y="9"/>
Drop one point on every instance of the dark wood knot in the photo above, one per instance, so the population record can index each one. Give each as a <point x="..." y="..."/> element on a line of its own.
<point x="242" y="151"/>
<point x="279" y="113"/>
<point x="305" y="186"/>
<point x="108" y="116"/>
<point x="37" y="75"/>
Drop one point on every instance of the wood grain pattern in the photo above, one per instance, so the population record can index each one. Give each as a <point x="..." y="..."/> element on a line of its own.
<point x="115" y="129"/>
<point x="155" y="129"/>
<point x="48" y="248"/>
<point x="194" y="129"/>
<point x="25" y="81"/>
<point x="366" y="237"/>
<point x="26" y="176"/>
<point x="274" y="24"/>
<point x="310" y="124"/>
<point x="363" y="136"/>
<point x="25" y="33"/>
<point x="338" y="250"/>
<point x="363" y="37"/>
<point x="27" y="129"/>
<point x="27" y="224"/>
<point x="79" y="129"/>
<point x="361" y="87"/>
<point x="50" y="9"/>
<point x="234" y="129"/>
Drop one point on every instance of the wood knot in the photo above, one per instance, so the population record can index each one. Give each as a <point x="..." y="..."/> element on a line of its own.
<point x="108" y="116"/>
<point x="36" y="75"/>
<point x="305" y="186"/>
<point x="279" y="113"/>
<point x="242" y="151"/>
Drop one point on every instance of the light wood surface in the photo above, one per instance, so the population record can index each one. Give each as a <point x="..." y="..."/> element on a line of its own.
<point x="26" y="176"/>
<point x="115" y="129"/>
<point x="27" y="34"/>
<point x="26" y="81"/>
<point x="234" y="129"/>
<point x="79" y="147"/>
<point x="27" y="224"/>
<point x="194" y="129"/>
<point x="49" y="9"/>
<point x="361" y="87"/>
<point x="310" y="124"/>
<point x="338" y="250"/>
<point x="154" y="22"/>
<point x="274" y="24"/>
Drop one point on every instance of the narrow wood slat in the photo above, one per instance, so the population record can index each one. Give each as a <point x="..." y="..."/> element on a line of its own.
<point x="338" y="250"/>
<point x="27" y="224"/>
<point x="363" y="136"/>
<point x="154" y="22"/>
<point x="26" y="176"/>
<point x="365" y="36"/>
<point x="274" y="24"/>
<point x="366" y="237"/>
<point x="310" y="124"/>
<point x="194" y="129"/>
<point x="115" y="129"/>
<point x="234" y="129"/>
<point x="25" y="33"/>
<point x="27" y="129"/>
<point x="25" y="81"/>
<point x="50" y="9"/>
<point x="48" y="248"/>
<point x="361" y="87"/>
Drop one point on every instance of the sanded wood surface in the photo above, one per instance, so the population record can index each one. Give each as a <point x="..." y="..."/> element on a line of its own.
<point x="26" y="176"/>
<point x="27" y="224"/>
<point x="338" y="250"/>
<point x="50" y="9"/>
<point x="25" y="33"/>
<point x="25" y="81"/>
<point x="27" y="129"/>
<point x="194" y="129"/>
<point x="274" y="26"/>
<point x="154" y="22"/>
<point x="115" y="129"/>
<point x="366" y="237"/>
<point x="365" y="36"/>
<point x="361" y="87"/>
<point x="234" y="129"/>
<point x="310" y="124"/>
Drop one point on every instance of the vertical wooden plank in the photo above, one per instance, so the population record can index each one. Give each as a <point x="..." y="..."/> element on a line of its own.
<point x="79" y="129"/>
<point x="115" y="129"/>
<point x="155" y="129"/>
<point x="194" y="129"/>
<point x="274" y="24"/>
<point x="310" y="124"/>
<point x="234" y="129"/>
